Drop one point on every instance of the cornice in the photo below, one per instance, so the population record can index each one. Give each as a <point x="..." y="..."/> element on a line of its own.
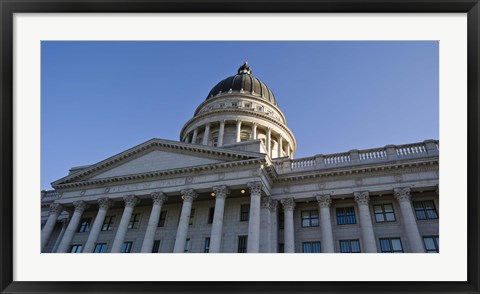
<point x="214" y="99"/>
<point x="249" y="113"/>
<point x="160" y="174"/>
<point x="424" y="164"/>
<point x="154" y="144"/>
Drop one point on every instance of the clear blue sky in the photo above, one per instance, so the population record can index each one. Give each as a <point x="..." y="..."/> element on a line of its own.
<point x="100" y="98"/>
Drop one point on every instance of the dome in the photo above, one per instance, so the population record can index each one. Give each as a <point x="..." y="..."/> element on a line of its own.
<point x="243" y="81"/>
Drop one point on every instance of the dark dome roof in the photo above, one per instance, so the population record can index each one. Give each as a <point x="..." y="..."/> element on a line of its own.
<point x="243" y="80"/>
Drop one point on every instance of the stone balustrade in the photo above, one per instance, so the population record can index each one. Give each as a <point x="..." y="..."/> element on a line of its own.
<point x="426" y="148"/>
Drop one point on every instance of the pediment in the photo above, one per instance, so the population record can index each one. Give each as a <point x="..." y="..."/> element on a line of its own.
<point x="157" y="155"/>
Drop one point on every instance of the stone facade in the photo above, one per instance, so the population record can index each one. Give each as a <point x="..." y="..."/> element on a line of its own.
<point x="231" y="185"/>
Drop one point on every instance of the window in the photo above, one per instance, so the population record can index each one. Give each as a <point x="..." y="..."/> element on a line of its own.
<point x="163" y="217"/>
<point x="134" y="221"/>
<point x="126" y="247"/>
<point x="281" y="220"/>
<point x="248" y="105"/>
<point x="76" y="248"/>
<point x="156" y="246"/>
<point x="242" y="244"/>
<point x="350" y="246"/>
<point x="391" y="245"/>
<point x="222" y="105"/>
<point x="215" y="141"/>
<point x="384" y="213"/>
<point x="211" y="211"/>
<point x="260" y="108"/>
<point x="206" y="246"/>
<point x="244" y="212"/>
<point x="425" y="210"/>
<point x="100" y="248"/>
<point x="281" y="248"/>
<point x="309" y="218"/>
<point x="311" y="247"/>
<point x="346" y="216"/>
<point x="84" y="225"/>
<point x="431" y="244"/>
<point x="187" y="246"/>
<point x="234" y="104"/>
<point x="108" y="223"/>
<point x="192" y="216"/>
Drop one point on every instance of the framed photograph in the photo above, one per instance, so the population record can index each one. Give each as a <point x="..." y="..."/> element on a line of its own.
<point x="276" y="129"/>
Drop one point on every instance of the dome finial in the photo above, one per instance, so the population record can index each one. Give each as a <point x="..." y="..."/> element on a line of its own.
<point x="245" y="69"/>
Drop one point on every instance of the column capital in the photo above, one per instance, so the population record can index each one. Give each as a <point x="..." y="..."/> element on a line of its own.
<point x="402" y="194"/>
<point x="324" y="200"/>
<point x="265" y="201"/>
<point x="131" y="200"/>
<point x="189" y="195"/>
<point x="80" y="206"/>
<point x="273" y="205"/>
<point x="56" y="208"/>
<point x="255" y="188"/>
<point x="288" y="204"/>
<point x="221" y="191"/>
<point x="105" y="203"/>
<point x="158" y="198"/>
<point x="362" y="197"/>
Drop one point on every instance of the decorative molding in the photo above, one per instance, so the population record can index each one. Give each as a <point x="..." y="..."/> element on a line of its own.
<point x="80" y="206"/>
<point x="189" y="195"/>
<point x="402" y="194"/>
<point x="288" y="204"/>
<point x="398" y="178"/>
<point x="273" y="205"/>
<point x="255" y="188"/>
<point x="56" y="208"/>
<point x="155" y="144"/>
<point x="104" y="203"/>
<point x="358" y="182"/>
<point x="324" y="200"/>
<point x="362" y="198"/>
<point x="160" y="174"/>
<point x="265" y="201"/>
<point x="131" y="200"/>
<point x="189" y="180"/>
<point x="221" y="191"/>
<point x="158" y="198"/>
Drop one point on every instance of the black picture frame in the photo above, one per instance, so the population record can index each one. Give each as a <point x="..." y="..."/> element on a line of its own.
<point x="9" y="7"/>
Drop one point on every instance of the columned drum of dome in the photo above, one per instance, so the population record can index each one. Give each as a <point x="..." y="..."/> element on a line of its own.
<point x="241" y="108"/>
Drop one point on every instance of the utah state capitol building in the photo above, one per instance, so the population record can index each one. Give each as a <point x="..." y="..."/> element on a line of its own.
<point x="231" y="185"/>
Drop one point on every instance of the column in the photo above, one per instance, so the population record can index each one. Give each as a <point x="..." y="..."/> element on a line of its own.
<point x="194" y="136"/>
<point x="273" y="226"/>
<point x="410" y="223"/>
<point x="239" y="129"/>
<point x="269" y="142"/>
<point x="368" y="237"/>
<point x="130" y="202"/>
<point x="265" y="225"/>
<point x="80" y="207"/>
<point x="221" y="193"/>
<point x="254" y="131"/>
<point x="188" y="196"/>
<point x="253" y="243"/>
<point x="280" y="145"/>
<point x="206" y="133"/>
<point x="220" y="133"/>
<point x="55" y="210"/>
<point x="158" y="199"/>
<point x="103" y="205"/>
<point x="288" y="150"/>
<point x="324" y="202"/>
<point x="288" y="207"/>
<point x="60" y="236"/>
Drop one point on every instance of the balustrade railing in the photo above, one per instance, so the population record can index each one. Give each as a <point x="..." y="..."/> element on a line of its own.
<point x="389" y="152"/>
